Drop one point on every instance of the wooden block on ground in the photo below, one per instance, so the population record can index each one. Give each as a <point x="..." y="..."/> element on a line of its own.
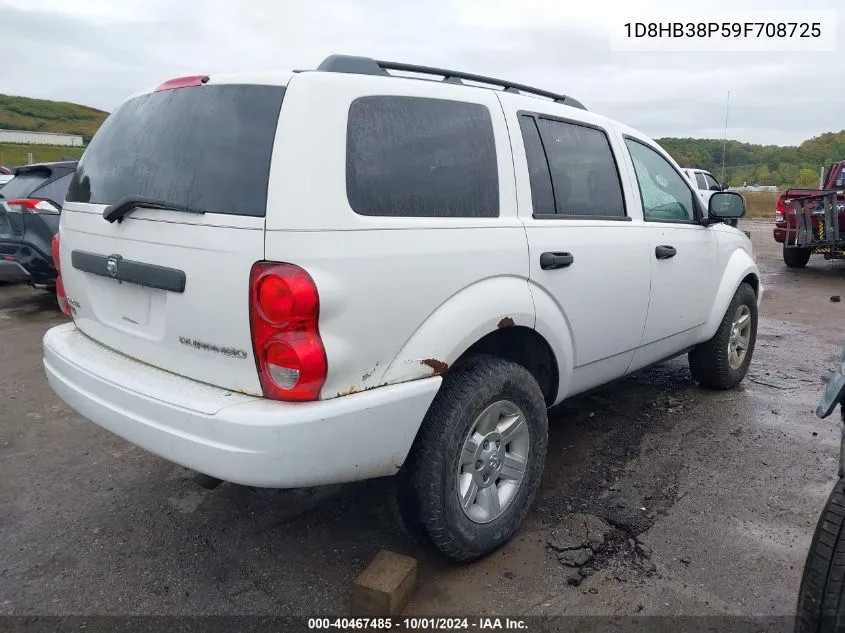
<point x="385" y="586"/>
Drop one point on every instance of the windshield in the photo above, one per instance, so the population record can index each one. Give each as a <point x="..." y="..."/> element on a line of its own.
<point x="205" y="148"/>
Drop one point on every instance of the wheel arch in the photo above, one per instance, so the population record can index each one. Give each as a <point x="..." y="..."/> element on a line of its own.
<point x="496" y="317"/>
<point x="741" y="268"/>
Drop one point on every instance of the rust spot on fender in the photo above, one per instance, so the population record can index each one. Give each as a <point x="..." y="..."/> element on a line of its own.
<point x="348" y="392"/>
<point x="506" y="322"/>
<point x="437" y="366"/>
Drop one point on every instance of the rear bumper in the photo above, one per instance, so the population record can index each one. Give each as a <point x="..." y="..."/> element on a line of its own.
<point x="235" y="437"/>
<point x="30" y="264"/>
<point x="12" y="272"/>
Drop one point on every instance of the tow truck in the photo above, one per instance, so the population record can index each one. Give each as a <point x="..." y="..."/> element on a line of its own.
<point x="812" y="221"/>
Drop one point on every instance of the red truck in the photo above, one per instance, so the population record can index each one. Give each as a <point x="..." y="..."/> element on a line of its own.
<point x="811" y="221"/>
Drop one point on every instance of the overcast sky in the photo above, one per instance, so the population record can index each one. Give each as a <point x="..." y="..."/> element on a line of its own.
<point x="97" y="52"/>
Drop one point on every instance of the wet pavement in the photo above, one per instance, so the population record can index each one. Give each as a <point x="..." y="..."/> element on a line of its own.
<point x="658" y="497"/>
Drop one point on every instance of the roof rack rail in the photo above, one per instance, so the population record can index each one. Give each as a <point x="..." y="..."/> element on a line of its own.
<point x="368" y="66"/>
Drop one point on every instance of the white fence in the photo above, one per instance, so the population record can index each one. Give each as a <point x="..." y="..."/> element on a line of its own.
<point x="40" y="138"/>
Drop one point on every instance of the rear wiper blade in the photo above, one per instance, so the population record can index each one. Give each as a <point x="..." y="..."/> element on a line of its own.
<point x="121" y="208"/>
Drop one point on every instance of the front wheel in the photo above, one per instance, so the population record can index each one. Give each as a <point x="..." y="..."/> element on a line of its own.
<point x="795" y="257"/>
<point x="821" y="598"/>
<point x="722" y="362"/>
<point x="475" y="467"/>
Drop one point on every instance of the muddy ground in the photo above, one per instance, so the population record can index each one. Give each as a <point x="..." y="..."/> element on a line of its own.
<point x="666" y="499"/>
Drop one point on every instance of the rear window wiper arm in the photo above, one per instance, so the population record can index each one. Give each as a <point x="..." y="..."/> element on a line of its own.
<point x="121" y="208"/>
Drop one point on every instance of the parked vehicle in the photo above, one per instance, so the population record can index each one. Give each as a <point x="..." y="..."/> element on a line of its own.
<point x="821" y="598"/>
<point x="704" y="182"/>
<point x="398" y="278"/>
<point x="30" y="205"/>
<point x="800" y="219"/>
<point x="6" y="175"/>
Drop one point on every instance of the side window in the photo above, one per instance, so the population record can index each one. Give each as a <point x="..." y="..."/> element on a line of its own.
<point x="585" y="179"/>
<point x="420" y="157"/>
<point x="538" y="167"/>
<point x="699" y="179"/>
<point x="711" y="183"/>
<point x="665" y="193"/>
<point x="55" y="191"/>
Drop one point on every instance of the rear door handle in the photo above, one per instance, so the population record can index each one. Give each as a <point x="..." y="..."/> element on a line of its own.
<point x="553" y="261"/>
<point x="665" y="252"/>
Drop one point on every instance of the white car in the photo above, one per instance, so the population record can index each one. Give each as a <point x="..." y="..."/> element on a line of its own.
<point x="704" y="182"/>
<point x="399" y="277"/>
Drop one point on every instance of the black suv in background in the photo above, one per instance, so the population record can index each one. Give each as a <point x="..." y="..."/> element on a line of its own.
<point x="30" y="204"/>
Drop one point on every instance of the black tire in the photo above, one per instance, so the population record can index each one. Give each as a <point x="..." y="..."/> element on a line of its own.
<point x="796" y="257"/>
<point x="428" y="481"/>
<point x="821" y="598"/>
<point x="708" y="362"/>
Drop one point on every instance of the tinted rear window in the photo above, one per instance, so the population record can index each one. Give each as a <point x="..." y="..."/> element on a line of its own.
<point x="420" y="157"/>
<point x="23" y="185"/>
<point x="207" y="148"/>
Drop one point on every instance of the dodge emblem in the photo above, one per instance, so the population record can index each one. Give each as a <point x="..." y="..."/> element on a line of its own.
<point x="111" y="266"/>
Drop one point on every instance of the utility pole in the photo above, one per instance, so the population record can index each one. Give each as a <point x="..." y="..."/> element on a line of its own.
<point x="725" y="142"/>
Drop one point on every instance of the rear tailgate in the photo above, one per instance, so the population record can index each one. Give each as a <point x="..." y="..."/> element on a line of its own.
<point x="171" y="288"/>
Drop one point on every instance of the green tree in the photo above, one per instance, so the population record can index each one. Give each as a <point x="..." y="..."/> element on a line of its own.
<point x="807" y="179"/>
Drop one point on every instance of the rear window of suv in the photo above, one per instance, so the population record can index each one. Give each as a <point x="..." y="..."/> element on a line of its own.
<point x="207" y="148"/>
<point x="421" y="157"/>
<point x="22" y="186"/>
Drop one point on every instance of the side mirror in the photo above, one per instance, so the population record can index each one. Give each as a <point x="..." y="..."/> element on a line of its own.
<point x="716" y="188"/>
<point x="726" y="205"/>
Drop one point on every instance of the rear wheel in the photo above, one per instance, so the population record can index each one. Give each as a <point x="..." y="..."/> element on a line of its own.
<point x="796" y="257"/>
<point x="821" y="598"/>
<point x="722" y="362"/>
<point x="475" y="468"/>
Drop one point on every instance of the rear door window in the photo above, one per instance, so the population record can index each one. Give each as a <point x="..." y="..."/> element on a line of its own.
<point x="584" y="177"/>
<point x="542" y="194"/>
<point x="207" y="148"/>
<point x="700" y="181"/>
<point x="421" y="157"/>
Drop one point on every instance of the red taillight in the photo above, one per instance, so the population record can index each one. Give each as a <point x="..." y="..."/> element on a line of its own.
<point x="60" y="286"/>
<point x="779" y="210"/>
<point x="182" y="82"/>
<point x="28" y="205"/>
<point x="54" y="247"/>
<point x="284" y="308"/>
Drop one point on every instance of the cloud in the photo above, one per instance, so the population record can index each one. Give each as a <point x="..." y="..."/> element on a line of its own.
<point x="97" y="52"/>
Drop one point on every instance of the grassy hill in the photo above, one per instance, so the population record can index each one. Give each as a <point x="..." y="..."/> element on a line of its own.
<point x="41" y="115"/>
<point x="783" y="166"/>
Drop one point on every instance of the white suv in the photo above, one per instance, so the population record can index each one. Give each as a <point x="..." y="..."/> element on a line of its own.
<point x="315" y="277"/>
<point x="704" y="182"/>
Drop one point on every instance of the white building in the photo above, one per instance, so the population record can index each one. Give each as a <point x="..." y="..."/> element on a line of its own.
<point x="40" y="138"/>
